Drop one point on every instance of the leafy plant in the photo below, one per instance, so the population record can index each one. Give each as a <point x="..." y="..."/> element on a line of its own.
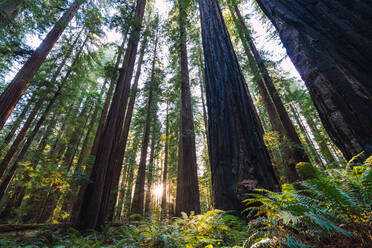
<point x="332" y="207"/>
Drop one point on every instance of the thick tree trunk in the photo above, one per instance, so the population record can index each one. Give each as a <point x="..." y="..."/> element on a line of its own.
<point x="187" y="198"/>
<point x="10" y="97"/>
<point x="330" y="43"/>
<point x="124" y="136"/>
<point x="238" y="156"/>
<point x="102" y="120"/>
<point x="139" y="189"/>
<point x="165" y="169"/>
<point x="278" y="115"/>
<point x="93" y="210"/>
<point x="100" y="128"/>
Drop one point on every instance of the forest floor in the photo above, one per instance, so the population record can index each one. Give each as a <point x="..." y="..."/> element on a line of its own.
<point x="212" y="229"/>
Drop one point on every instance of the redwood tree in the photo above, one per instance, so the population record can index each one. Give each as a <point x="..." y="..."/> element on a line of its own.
<point x="10" y="97"/>
<point x="165" y="169"/>
<point x="93" y="210"/>
<point x="239" y="159"/>
<point x="279" y="118"/>
<point x="187" y="198"/>
<point x="124" y="135"/>
<point x="139" y="189"/>
<point x="330" y="43"/>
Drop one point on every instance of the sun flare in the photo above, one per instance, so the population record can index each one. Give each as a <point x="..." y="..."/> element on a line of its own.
<point x="157" y="191"/>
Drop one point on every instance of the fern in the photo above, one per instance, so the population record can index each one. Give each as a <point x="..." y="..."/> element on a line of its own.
<point x="335" y="203"/>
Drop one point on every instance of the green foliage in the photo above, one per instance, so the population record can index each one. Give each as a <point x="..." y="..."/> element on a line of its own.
<point x="332" y="207"/>
<point x="212" y="229"/>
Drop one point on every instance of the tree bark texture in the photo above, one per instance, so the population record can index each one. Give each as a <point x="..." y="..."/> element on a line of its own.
<point x="330" y="43"/>
<point x="93" y="210"/>
<point x="187" y="198"/>
<point x="239" y="159"/>
<point x="11" y="95"/>
<point x="124" y="135"/>
<point x="106" y="105"/>
<point x="279" y="118"/>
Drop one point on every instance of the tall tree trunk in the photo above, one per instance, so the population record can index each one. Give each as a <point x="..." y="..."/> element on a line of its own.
<point x="296" y="152"/>
<point x="11" y="95"/>
<point x="20" y="190"/>
<point x="5" y="183"/>
<point x="124" y="136"/>
<point x="150" y="175"/>
<point x="102" y="120"/>
<point x="100" y="127"/>
<point x="187" y="198"/>
<point x="317" y="159"/>
<point x="239" y="159"/>
<point x="330" y="43"/>
<point x="131" y="158"/>
<point x="165" y="169"/>
<point x="321" y="140"/>
<point x="121" y="195"/>
<point x="13" y="150"/>
<point x="93" y="210"/>
<point x="139" y="189"/>
<point x="85" y="147"/>
<point x="18" y="121"/>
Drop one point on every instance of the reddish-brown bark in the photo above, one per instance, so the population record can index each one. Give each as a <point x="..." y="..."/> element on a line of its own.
<point x="124" y="136"/>
<point x="187" y="198"/>
<point x="239" y="159"/>
<point x="330" y="43"/>
<point x="106" y="105"/>
<point x="278" y="115"/>
<point x="94" y="207"/>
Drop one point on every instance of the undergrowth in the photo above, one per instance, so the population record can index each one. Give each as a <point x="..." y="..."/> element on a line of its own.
<point x="212" y="229"/>
<point x="327" y="209"/>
